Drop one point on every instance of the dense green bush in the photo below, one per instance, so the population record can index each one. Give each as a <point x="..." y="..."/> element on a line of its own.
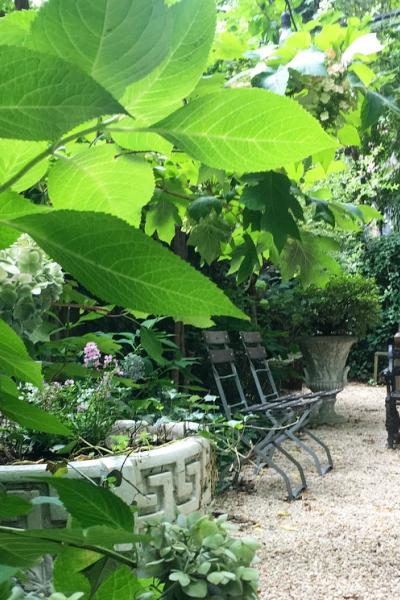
<point x="348" y="305"/>
<point x="197" y="558"/>
<point x="380" y="259"/>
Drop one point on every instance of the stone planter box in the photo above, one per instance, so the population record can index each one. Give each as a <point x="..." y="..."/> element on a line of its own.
<point x="161" y="482"/>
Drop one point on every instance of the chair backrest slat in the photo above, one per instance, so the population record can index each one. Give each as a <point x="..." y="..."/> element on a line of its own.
<point x="255" y="351"/>
<point x="213" y="338"/>
<point x="222" y="355"/>
<point x="225" y="355"/>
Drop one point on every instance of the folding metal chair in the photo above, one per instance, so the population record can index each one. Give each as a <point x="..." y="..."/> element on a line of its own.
<point x="268" y="440"/>
<point x="269" y="395"/>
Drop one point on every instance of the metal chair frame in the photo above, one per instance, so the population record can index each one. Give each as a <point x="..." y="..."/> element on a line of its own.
<point x="255" y="352"/>
<point x="270" y="440"/>
<point x="392" y="377"/>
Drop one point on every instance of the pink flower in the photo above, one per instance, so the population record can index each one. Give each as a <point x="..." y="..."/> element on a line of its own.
<point x="107" y="360"/>
<point x="69" y="382"/>
<point x="91" y="355"/>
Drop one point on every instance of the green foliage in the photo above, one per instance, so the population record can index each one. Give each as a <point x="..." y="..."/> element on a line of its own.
<point x="196" y="558"/>
<point x="378" y="258"/>
<point x="163" y="89"/>
<point x="204" y="130"/>
<point x="347" y="305"/>
<point x="15" y="360"/>
<point x="272" y="197"/>
<point x="65" y="97"/>
<point x="105" y="39"/>
<point x="29" y="283"/>
<point x="200" y="558"/>
<point x="100" y="179"/>
<point x="123" y="266"/>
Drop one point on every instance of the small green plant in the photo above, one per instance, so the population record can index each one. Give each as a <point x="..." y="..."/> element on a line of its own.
<point x="197" y="558"/>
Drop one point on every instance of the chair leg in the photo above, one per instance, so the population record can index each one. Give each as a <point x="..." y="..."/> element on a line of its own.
<point x="329" y="466"/>
<point x="310" y="451"/>
<point x="298" y="466"/>
<point x="392" y="422"/>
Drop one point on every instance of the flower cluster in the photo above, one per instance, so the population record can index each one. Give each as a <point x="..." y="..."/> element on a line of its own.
<point x="29" y="283"/>
<point x="91" y="355"/>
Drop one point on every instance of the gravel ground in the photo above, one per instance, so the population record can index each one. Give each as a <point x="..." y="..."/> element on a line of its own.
<point x="342" y="539"/>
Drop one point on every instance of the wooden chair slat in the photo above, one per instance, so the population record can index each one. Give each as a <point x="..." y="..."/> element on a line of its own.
<point x="216" y="337"/>
<point x="251" y="337"/>
<point x="224" y="355"/>
<point x="256" y="352"/>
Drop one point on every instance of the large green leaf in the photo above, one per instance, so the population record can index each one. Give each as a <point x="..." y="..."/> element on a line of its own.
<point x="28" y="415"/>
<point x="92" y="505"/>
<point x="162" y="217"/>
<point x="14" y="155"/>
<point x="311" y="259"/>
<point x="244" y="130"/>
<point x="116" y="41"/>
<point x="208" y="235"/>
<point x="163" y="90"/>
<point x="102" y="180"/>
<point x="14" y="358"/>
<point x="122" y="584"/>
<point x="42" y="97"/>
<point x="15" y="26"/>
<point x="17" y="550"/>
<point x="13" y="506"/>
<point x="279" y="207"/>
<point x="123" y="266"/>
<point x="67" y="576"/>
<point x="139" y="141"/>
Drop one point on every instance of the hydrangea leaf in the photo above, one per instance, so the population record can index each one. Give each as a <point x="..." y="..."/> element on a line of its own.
<point x="123" y="266"/>
<point x="90" y="504"/>
<point x="14" y="358"/>
<point x="28" y="415"/>
<point x="13" y="205"/>
<point x="102" y="180"/>
<point x="163" y="90"/>
<point x="115" y="41"/>
<point x="15" y="27"/>
<point x="14" y="155"/>
<point x="244" y="130"/>
<point x="139" y="141"/>
<point x="42" y="97"/>
<point x="122" y="584"/>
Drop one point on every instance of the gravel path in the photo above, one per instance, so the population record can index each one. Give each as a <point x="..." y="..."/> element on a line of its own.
<point x="342" y="539"/>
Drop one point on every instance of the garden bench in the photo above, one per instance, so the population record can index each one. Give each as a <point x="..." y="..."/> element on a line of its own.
<point x="392" y="378"/>
<point x="285" y="416"/>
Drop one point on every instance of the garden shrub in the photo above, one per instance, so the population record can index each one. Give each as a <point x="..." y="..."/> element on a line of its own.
<point x="380" y="260"/>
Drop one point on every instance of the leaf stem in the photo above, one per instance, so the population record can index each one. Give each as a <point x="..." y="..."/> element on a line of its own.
<point x="50" y="150"/>
<point x="92" y="547"/>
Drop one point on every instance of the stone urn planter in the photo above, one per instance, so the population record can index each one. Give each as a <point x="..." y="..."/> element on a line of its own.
<point x="162" y="482"/>
<point x="325" y="369"/>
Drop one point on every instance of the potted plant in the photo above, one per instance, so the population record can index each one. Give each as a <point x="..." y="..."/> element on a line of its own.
<point x="327" y="323"/>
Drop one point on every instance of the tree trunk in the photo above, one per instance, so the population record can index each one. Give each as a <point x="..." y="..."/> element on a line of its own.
<point x="21" y="4"/>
